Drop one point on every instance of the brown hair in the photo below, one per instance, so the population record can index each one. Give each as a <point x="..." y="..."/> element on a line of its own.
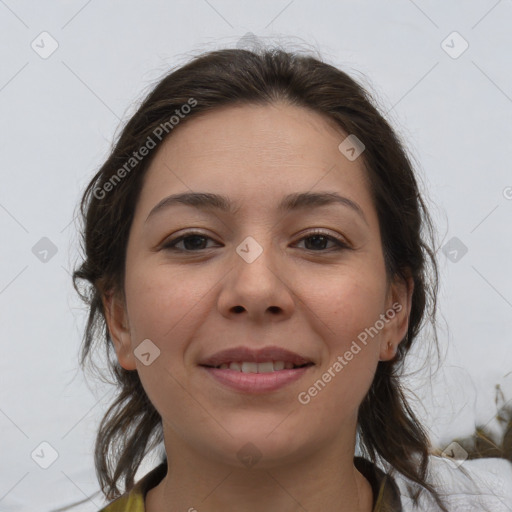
<point x="388" y="429"/>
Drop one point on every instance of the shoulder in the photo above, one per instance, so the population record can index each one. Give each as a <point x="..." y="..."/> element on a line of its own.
<point x="130" y="502"/>
<point x="479" y="485"/>
<point x="133" y="501"/>
<point x="386" y="494"/>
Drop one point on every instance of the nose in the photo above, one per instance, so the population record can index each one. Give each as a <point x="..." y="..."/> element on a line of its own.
<point x="257" y="289"/>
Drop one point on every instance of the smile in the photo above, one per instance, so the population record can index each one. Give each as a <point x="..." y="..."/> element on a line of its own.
<point x="256" y="378"/>
<point x="266" y="367"/>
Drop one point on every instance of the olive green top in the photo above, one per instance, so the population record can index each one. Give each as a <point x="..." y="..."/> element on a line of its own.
<point x="386" y="495"/>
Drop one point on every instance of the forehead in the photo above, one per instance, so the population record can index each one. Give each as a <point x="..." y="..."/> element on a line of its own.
<point x="257" y="153"/>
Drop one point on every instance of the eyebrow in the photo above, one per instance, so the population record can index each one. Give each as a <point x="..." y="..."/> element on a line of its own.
<point x="291" y="202"/>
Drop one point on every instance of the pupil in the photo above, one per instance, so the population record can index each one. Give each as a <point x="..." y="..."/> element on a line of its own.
<point x="197" y="238"/>
<point x="318" y="237"/>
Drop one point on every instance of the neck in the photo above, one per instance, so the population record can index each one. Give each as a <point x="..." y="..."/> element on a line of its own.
<point x="324" y="481"/>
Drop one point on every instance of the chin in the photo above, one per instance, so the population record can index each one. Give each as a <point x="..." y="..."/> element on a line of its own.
<point x="261" y="445"/>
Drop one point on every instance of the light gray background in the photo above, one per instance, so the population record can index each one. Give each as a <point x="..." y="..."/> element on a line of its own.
<point x="60" y="114"/>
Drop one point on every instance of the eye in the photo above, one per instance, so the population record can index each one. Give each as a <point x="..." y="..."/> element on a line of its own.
<point x="320" y="238"/>
<point x="192" y="241"/>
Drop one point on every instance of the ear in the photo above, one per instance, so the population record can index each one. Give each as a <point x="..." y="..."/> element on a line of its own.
<point x="399" y="305"/>
<point x="117" y="322"/>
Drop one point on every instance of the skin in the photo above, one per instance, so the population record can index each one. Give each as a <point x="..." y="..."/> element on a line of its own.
<point x="307" y="298"/>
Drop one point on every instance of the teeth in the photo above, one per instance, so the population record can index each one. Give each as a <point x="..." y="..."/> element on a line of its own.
<point x="250" y="367"/>
<point x="278" y="365"/>
<point x="265" y="367"/>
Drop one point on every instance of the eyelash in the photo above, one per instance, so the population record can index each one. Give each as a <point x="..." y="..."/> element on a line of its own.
<point x="171" y="245"/>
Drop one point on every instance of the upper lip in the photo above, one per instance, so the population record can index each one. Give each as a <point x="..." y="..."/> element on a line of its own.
<point x="262" y="355"/>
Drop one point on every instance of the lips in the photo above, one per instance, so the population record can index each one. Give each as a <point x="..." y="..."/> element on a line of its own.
<point x="263" y="355"/>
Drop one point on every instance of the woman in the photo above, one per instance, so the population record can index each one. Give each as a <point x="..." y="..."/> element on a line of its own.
<point x="258" y="249"/>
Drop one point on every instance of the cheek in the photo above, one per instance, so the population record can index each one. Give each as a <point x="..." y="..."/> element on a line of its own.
<point x="347" y="304"/>
<point x="163" y="305"/>
<point x="346" y="309"/>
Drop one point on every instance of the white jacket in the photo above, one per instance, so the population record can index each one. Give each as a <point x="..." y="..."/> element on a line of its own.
<point x="489" y="488"/>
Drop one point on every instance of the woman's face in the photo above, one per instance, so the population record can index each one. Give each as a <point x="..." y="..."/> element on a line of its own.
<point x="254" y="277"/>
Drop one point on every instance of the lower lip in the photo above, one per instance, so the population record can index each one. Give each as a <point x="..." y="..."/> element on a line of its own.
<point x="256" y="382"/>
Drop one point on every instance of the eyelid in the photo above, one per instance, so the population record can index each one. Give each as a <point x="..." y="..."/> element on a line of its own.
<point x="169" y="243"/>
<point x="341" y="243"/>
